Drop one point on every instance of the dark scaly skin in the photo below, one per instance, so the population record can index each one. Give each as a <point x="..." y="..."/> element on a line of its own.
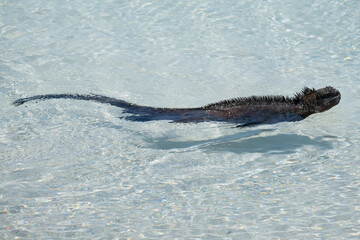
<point x="241" y="111"/>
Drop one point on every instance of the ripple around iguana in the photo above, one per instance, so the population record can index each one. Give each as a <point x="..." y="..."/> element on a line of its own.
<point x="243" y="111"/>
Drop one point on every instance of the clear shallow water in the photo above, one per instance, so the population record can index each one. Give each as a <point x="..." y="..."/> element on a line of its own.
<point x="74" y="169"/>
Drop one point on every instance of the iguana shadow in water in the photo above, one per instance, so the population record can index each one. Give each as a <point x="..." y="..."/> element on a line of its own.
<point x="243" y="111"/>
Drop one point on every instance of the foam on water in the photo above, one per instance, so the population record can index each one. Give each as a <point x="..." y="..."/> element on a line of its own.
<point x="73" y="169"/>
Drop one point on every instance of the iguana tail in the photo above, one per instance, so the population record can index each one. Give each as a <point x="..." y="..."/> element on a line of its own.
<point x="138" y="113"/>
<point x="132" y="108"/>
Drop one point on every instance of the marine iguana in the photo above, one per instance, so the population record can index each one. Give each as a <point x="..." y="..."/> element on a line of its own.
<point x="243" y="111"/>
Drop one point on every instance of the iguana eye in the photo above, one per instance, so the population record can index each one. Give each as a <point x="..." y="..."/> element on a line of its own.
<point x="327" y="95"/>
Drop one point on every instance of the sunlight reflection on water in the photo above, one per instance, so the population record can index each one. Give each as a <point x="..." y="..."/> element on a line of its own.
<point x="73" y="169"/>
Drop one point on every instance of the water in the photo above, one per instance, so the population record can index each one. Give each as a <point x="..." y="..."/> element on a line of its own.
<point x="73" y="169"/>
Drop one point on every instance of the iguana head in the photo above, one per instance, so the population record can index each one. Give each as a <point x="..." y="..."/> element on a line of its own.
<point x="319" y="100"/>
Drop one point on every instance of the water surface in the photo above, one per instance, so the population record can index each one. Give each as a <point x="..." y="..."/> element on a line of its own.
<point x="73" y="169"/>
